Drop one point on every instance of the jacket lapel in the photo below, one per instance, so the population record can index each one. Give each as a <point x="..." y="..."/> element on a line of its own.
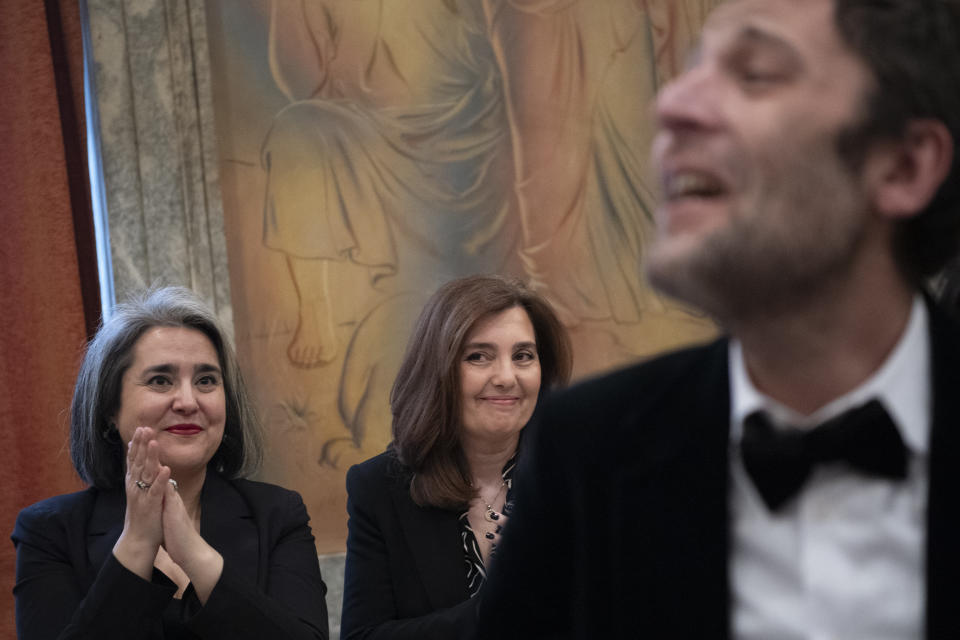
<point x="103" y="530"/>
<point x="675" y="494"/>
<point x="706" y="427"/>
<point x="715" y="452"/>
<point x="227" y="524"/>
<point x="433" y="537"/>
<point x="943" y="510"/>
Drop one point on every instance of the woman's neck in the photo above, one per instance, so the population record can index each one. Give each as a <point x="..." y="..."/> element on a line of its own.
<point x="486" y="459"/>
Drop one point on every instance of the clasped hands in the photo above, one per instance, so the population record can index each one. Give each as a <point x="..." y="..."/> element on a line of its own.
<point x="157" y="527"/>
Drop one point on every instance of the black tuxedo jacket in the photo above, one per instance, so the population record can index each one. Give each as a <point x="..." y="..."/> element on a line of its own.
<point x="69" y="584"/>
<point x="621" y="527"/>
<point x="405" y="574"/>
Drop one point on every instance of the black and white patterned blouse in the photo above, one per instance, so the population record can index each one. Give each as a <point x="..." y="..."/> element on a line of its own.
<point x="476" y="571"/>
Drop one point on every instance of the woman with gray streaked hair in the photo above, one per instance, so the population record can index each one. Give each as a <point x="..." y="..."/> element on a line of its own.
<point x="169" y="541"/>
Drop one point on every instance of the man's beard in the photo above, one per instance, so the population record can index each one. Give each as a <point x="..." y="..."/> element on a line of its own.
<point x="772" y="259"/>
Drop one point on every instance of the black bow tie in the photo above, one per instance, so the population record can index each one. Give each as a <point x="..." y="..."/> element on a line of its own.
<point x="779" y="460"/>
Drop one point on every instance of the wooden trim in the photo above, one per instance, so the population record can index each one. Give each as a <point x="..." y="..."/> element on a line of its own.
<point x="72" y="124"/>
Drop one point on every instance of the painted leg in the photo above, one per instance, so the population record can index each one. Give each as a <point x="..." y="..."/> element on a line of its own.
<point x="315" y="340"/>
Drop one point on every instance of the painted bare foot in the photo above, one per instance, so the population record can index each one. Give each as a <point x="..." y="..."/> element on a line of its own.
<point x="342" y="453"/>
<point x="315" y="341"/>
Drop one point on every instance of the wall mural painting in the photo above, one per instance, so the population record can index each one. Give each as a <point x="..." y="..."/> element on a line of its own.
<point x="373" y="149"/>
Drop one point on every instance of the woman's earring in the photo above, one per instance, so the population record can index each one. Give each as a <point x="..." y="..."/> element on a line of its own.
<point x="110" y="434"/>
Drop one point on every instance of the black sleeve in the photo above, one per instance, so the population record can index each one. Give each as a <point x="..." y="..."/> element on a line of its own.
<point x="50" y="601"/>
<point x="369" y="608"/>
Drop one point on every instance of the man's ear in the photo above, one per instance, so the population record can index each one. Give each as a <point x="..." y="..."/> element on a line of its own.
<point x="908" y="172"/>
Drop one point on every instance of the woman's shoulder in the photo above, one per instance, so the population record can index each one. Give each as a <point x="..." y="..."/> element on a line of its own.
<point x="245" y="485"/>
<point x="63" y="504"/>
<point x="259" y="493"/>
<point x="56" y="512"/>
<point x="613" y="393"/>
<point x="378" y="471"/>
<point x="270" y="505"/>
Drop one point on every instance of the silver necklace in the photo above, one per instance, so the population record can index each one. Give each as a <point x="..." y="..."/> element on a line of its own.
<point x="490" y="515"/>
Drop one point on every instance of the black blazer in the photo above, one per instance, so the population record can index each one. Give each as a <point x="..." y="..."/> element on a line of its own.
<point x="621" y="527"/>
<point x="69" y="584"/>
<point x="405" y="574"/>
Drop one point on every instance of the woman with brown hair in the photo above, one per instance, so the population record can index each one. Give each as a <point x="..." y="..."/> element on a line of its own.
<point x="425" y="515"/>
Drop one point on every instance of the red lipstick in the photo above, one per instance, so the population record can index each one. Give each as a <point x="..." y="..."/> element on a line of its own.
<point x="184" y="429"/>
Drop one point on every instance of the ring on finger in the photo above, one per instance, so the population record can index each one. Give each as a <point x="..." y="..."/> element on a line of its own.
<point x="174" y="483"/>
<point x="142" y="485"/>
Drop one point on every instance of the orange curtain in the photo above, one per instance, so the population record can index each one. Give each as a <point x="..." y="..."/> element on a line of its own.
<point x="46" y="259"/>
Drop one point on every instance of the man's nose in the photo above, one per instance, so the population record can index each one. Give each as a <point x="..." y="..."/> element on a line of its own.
<point x="690" y="101"/>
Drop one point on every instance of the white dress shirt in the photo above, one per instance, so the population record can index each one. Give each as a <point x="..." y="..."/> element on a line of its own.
<point x="845" y="558"/>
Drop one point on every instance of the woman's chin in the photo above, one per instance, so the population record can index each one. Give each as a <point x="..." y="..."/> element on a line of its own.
<point x="497" y="432"/>
<point x="185" y="466"/>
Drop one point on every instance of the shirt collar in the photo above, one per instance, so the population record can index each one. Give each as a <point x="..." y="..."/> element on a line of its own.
<point x="902" y="383"/>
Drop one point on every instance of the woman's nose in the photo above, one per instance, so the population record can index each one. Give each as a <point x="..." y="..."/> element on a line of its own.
<point x="504" y="375"/>
<point x="185" y="399"/>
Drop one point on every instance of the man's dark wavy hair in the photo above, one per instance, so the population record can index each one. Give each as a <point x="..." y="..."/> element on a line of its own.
<point x="913" y="50"/>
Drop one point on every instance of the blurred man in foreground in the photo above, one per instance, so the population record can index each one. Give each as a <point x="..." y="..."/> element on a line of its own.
<point x="796" y="478"/>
